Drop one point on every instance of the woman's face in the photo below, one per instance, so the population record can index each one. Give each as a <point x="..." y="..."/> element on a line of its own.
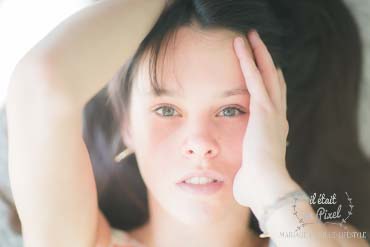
<point x="198" y="125"/>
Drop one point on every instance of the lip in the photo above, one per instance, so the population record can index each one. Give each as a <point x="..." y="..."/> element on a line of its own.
<point x="201" y="189"/>
<point x="205" y="173"/>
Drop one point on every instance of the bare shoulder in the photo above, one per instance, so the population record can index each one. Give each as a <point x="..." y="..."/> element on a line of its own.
<point x="348" y="241"/>
<point x="103" y="237"/>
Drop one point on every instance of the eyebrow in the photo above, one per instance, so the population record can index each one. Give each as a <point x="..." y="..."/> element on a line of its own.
<point x="166" y="92"/>
<point x="235" y="92"/>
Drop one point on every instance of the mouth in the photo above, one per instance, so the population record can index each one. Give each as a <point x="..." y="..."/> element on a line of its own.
<point x="201" y="182"/>
<point x="202" y="177"/>
<point x="201" y="189"/>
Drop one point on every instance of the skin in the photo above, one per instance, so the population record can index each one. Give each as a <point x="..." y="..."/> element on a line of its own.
<point x="62" y="73"/>
<point x="198" y="122"/>
<point x="241" y="135"/>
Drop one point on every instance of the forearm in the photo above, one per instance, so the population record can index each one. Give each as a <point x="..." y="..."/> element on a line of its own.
<point x="50" y="172"/>
<point x="87" y="49"/>
<point x="51" y="177"/>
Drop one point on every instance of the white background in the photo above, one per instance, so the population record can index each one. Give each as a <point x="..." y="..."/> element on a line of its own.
<point x="22" y="24"/>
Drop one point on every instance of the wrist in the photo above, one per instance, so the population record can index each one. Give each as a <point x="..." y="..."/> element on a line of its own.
<point x="274" y="189"/>
<point x="287" y="200"/>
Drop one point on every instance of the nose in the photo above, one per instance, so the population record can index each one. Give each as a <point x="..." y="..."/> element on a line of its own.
<point x="200" y="147"/>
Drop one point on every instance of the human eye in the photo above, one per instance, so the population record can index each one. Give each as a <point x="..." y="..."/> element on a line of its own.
<point x="231" y="111"/>
<point x="166" y="111"/>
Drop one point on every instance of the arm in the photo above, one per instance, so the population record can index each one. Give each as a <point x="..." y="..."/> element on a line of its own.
<point x="264" y="150"/>
<point x="51" y="175"/>
<point x="87" y="49"/>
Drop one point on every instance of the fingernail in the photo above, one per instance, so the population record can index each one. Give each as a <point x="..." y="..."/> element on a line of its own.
<point x="254" y="36"/>
<point x="239" y="43"/>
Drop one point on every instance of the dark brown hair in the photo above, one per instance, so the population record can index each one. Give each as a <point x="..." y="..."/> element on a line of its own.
<point x="317" y="45"/>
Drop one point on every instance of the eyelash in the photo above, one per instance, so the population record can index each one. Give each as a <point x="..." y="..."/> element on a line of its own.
<point x="241" y="112"/>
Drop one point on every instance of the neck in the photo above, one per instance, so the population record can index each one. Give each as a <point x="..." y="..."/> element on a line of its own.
<point x="230" y="230"/>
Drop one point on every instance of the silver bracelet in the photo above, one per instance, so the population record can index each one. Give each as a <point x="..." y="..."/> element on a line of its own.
<point x="281" y="201"/>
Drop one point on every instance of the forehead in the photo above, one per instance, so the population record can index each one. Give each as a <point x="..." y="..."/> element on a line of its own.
<point x="195" y="59"/>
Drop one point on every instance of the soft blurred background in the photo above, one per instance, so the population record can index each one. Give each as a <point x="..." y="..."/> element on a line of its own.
<point x="23" y="23"/>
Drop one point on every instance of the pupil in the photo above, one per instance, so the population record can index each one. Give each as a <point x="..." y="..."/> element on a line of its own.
<point x="168" y="111"/>
<point x="229" y="112"/>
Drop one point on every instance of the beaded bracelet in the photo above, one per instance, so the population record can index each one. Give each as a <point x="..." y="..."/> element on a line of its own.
<point x="281" y="201"/>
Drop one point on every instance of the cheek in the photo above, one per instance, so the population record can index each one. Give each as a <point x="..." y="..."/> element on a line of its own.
<point x="160" y="131"/>
<point x="162" y="136"/>
<point x="156" y="153"/>
<point x="231" y="141"/>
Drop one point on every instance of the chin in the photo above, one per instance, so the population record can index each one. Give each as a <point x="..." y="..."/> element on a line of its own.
<point x="197" y="213"/>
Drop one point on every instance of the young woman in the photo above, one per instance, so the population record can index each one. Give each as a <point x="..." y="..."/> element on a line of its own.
<point x="200" y="100"/>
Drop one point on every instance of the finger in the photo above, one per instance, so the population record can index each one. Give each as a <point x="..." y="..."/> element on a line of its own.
<point x="267" y="67"/>
<point x="250" y="72"/>
<point x="284" y="91"/>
